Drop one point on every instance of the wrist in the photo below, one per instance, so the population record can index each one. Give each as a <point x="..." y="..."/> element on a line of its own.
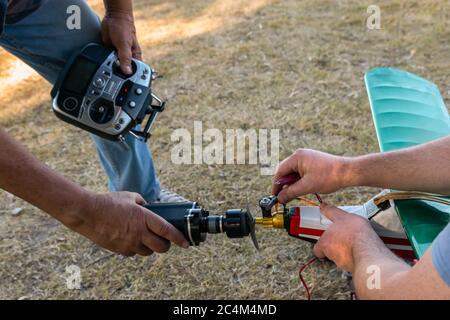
<point x="349" y="172"/>
<point x="364" y="238"/>
<point x="119" y="14"/>
<point x="75" y="214"/>
<point x="119" y="9"/>
<point x="362" y="171"/>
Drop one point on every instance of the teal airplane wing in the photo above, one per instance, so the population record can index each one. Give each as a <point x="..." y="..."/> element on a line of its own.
<point x="408" y="110"/>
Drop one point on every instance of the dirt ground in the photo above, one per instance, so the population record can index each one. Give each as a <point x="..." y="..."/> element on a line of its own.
<point x="297" y="66"/>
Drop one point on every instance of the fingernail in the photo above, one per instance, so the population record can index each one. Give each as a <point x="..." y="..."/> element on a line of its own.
<point x="186" y="245"/>
<point x="128" y="69"/>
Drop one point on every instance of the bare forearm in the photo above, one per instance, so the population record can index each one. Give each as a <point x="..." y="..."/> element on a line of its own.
<point x="26" y="177"/>
<point x="376" y="270"/>
<point x="421" y="168"/>
<point x="397" y="280"/>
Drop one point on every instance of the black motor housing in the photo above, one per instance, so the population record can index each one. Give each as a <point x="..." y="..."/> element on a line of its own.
<point x="195" y="222"/>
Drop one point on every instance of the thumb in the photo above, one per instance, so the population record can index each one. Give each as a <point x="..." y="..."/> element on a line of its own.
<point x="164" y="229"/>
<point x="331" y="212"/>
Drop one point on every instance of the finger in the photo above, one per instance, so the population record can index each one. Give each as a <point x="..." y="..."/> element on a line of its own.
<point x="164" y="229"/>
<point x="136" y="50"/>
<point x="139" y="199"/>
<point x="105" y="34"/>
<point x="143" y="250"/>
<point x="155" y="243"/>
<point x="127" y="253"/>
<point x="276" y="188"/>
<point x="331" y="212"/>
<point x="287" y="166"/>
<point x="318" y="251"/>
<point x="300" y="188"/>
<point x="124" y="54"/>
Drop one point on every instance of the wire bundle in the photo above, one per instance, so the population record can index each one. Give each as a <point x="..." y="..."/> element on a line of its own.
<point x="411" y="195"/>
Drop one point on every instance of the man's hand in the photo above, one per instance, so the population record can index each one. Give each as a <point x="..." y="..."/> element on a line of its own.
<point x="320" y="173"/>
<point x="117" y="222"/>
<point x="353" y="245"/>
<point x="342" y="237"/>
<point x="324" y="173"/>
<point x="118" y="30"/>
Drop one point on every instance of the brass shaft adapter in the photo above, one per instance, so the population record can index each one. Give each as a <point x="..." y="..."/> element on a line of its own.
<point x="275" y="221"/>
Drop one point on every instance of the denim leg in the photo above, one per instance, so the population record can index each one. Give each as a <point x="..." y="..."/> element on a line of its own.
<point x="43" y="41"/>
<point x="129" y="166"/>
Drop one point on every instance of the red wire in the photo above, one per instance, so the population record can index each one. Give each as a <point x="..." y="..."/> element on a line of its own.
<point x="302" y="280"/>
<point x="318" y="197"/>
<point x="306" y="265"/>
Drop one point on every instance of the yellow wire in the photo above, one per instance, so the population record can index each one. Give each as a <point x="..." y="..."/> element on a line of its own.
<point x="395" y="195"/>
<point x="312" y="203"/>
<point x="411" y="195"/>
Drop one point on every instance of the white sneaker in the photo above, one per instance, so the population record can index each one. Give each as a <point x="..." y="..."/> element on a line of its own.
<point x="166" y="196"/>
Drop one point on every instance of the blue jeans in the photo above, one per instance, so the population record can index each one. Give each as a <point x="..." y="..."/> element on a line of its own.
<point x="43" y="41"/>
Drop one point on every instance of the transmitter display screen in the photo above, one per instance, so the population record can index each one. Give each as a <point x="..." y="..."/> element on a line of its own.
<point x="79" y="76"/>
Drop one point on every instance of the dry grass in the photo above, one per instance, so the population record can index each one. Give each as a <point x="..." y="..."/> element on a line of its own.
<point x="293" y="65"/>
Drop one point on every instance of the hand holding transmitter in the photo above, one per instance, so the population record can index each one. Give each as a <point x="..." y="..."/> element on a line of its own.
<point x="93" y="94"/>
